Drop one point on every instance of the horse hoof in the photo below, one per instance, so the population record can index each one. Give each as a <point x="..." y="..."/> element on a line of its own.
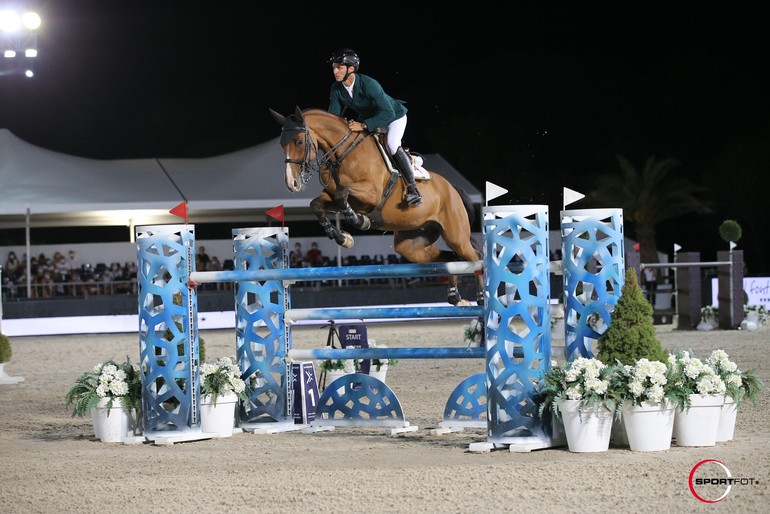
<point x="454" y="297"/>
<point x="347" y="240"/>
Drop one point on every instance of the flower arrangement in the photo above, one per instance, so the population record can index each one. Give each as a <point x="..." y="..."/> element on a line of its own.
<point x="708" y="313"/>
<point x="109" y="380"/>
<point x="691" y="375"/>
<point x="222" y="378"/>
<point x="378" y="363"/>
<point x="354" y="365"/>
<point x="347" y="365"/>
<point x="739" y="385"/>
<point x="588" y="380"/>
<point x="473" y="333"/>
<point x="761" y="311"/>
<point x="645" y="381"/>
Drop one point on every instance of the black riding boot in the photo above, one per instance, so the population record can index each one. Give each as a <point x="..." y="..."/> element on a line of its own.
<point x="413" y="196"/>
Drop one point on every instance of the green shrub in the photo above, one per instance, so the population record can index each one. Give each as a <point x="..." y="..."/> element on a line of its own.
<point x="5" y="349"/>
<point x="730" y="231"/>
<point x="631" y="334"/>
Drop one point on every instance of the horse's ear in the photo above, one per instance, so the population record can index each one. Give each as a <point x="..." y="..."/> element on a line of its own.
<point x="298" y="114"/>
<point x="280" y="118"/>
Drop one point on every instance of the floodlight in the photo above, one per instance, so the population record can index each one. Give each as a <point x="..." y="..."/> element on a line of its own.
<point x="31" y="20"/>
<point x="30" y="52"/>
<point x="29" y="74"/>
<point x="10" y="54"/>
<point x="9" y="21"/>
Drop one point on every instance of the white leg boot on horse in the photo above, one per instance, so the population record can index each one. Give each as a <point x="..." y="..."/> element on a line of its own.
<point x="413" y="196"/>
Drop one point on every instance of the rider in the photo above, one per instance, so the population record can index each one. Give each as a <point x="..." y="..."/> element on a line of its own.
<point x="379" y="111"/>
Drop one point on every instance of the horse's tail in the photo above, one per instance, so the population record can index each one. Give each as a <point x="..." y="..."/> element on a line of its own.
<point x="470" y="211"/>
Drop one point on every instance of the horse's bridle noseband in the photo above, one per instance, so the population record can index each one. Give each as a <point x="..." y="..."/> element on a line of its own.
<point x="308" y="166"/>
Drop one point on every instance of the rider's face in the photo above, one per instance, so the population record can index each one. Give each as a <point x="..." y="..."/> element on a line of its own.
<point x="339" y="71"/>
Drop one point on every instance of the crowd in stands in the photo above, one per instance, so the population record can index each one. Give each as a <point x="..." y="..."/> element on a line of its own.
<point x="62" y="275"/>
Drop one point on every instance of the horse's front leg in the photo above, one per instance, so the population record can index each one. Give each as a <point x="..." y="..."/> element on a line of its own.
<point x="359" y="221"/>
<point x="319" y="206"/>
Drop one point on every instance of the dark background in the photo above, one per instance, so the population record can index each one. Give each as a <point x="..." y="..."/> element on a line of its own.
<point x="533" y="99"/>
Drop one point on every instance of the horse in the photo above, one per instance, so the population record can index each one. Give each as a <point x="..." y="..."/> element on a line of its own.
<point x="357" y="183"/>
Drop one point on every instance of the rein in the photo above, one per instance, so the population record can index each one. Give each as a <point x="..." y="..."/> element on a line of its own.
<point x="308" y="166"/>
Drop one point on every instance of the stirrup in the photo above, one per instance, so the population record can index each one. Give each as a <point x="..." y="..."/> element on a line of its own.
<point x="413" y="198"/>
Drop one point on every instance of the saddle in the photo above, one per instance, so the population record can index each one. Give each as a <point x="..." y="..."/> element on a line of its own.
<point x="420" y="173"/>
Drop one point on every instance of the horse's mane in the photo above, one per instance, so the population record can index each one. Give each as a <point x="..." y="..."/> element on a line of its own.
<point x="321" y="113"/>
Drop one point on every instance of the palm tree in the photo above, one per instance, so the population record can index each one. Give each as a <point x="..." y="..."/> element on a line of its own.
<point x="648" y="198"/>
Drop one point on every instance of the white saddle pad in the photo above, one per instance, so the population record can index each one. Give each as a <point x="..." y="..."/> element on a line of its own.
<point x="420" y="173"/>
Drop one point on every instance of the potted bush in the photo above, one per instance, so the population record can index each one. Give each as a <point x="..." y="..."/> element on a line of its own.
<point x="112" y="393"/>
<point x="756" y="315"/>
<point x="739" y="386"/>
<point x="581" y="393"/>
<point x="709" y="316"/>
<point x="699" y="392"/>
<point x="221" y="388"/>
<point x="649" y="404"/>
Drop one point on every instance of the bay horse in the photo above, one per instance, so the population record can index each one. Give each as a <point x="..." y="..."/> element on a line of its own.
<point x="359" y="185"/>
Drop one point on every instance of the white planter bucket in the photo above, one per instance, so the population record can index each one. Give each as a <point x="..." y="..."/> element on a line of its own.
<point x="586" y="431"/>
<point x="698" y="426"/>
<point x="649" y="426"/>
<point x="220" y="418"/>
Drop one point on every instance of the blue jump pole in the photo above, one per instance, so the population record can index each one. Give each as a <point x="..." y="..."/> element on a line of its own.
<point x="384" y="312"/>
<point x="452" y="352"/>
<point x="339" y="272"/>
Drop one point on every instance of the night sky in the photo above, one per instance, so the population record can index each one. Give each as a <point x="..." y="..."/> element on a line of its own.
<point x="535" y="99"/>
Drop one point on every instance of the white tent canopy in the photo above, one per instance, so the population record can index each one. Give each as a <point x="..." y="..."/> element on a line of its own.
<point x="41" y="187"/>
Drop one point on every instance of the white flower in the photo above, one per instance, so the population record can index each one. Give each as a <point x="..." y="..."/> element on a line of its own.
<point x="647" y="380"/>
<point x="472" y="332"/>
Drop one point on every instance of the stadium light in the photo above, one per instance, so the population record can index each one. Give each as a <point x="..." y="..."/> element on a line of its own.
<point x="18" y="41"/>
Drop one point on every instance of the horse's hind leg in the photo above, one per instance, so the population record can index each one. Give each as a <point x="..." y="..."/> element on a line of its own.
<point x="420" y="247"/>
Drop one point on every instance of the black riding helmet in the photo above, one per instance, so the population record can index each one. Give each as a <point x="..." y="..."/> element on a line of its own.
<point x="345" y="56"/>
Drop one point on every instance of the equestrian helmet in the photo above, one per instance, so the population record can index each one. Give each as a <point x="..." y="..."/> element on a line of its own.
<point x="345" y="56"/>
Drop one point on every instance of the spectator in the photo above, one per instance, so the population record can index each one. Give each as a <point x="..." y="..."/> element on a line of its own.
<point x="296" y="257"/>
<point x="73" y="261"/>
<point x="314" y="256"/>
<point x="214" y="264"/>
<point x="12" y="268"/>
<point x="202" y="259"/>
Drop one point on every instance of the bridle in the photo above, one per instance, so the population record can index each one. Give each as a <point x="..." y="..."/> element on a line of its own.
<point x="308" y="166"/>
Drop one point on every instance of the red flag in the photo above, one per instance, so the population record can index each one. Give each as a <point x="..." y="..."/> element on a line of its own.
<point x="181" y="211"/>
<point x="277" y="213"/>
<point x="636" y="247"/>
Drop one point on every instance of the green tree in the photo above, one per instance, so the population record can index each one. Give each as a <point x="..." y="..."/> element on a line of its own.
<point x="631" y="334"/>
<point x="648" y="197"/>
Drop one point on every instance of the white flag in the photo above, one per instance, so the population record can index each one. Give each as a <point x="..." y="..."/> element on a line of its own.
<point x="571" y="196"/>
<point x="677" y="247"/>
<point x="493" y="191"/>
<point x="732" y="245"/>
